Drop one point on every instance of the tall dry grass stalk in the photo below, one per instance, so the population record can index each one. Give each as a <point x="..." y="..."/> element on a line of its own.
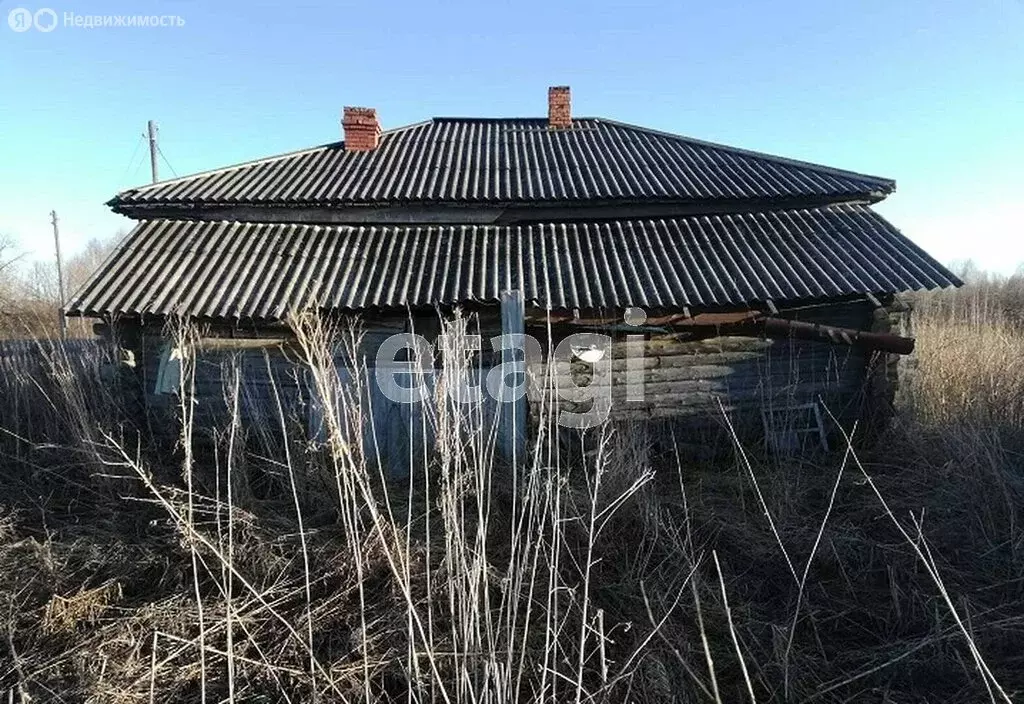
<point x="479" y="572"/>
<point x="137" y="571"/>
<point x="969" y="366"/>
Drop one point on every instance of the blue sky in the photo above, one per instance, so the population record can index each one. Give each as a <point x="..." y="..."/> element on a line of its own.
<point x="930" y="93"/>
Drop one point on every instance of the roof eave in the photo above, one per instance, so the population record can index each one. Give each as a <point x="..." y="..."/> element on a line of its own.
<point x="553" y="209"/>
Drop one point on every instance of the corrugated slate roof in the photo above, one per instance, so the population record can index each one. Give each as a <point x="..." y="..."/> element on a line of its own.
<point x="263" y="271"/>
<point x="464" y="160"/>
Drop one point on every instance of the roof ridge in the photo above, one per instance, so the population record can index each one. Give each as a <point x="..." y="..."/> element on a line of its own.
<point x="479" y="118"/>
<point x="520" y="118"/>
<point x="750" y="152"/>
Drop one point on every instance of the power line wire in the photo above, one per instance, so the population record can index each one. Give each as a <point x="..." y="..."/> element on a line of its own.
<point x="161" y="153"/>
<point x="135" y="173"/>
<point x="134" y="154"/>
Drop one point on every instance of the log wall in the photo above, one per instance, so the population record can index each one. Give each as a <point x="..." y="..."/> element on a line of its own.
<point x="695" y="380"/>
<point x="689" y="381"/>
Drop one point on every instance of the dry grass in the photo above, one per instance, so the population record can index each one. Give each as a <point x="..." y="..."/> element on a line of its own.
<point x="970" y="364"/>
<point x="891" y="573"/>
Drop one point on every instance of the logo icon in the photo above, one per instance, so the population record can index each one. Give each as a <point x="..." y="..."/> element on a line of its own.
<point x="20" y="20"/>
<point x="46" y="20"/>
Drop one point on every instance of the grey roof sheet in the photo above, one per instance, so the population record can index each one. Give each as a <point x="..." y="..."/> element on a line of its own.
<point x="263" y="271"/>
<point x="465" y="160"/>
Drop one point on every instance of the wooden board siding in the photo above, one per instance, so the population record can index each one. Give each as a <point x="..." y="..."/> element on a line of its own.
<point x="399" y="436"/>
<point x="266" y="356"/>
<point x="402" y="435"/>
<point x="262" y="364"/>
<point x="392" y="433"/>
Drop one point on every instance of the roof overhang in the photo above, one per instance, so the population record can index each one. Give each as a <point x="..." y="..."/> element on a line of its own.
<point x="264" y="271"/>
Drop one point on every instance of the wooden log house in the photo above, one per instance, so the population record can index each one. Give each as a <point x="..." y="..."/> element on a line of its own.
<point x="725" y="278"/>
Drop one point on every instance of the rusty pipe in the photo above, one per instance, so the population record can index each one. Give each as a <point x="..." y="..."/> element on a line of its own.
<point x="780" y="327"/>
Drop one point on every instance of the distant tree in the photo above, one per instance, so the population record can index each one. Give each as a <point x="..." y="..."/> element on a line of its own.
<point x="9" y="258"/>
<point x="30" y="295"/>
<point x="40" y="279"/>
<point x="10" y="278"/>
<point x="968" y="271"/>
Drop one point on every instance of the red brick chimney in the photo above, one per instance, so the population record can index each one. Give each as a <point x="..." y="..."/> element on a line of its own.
<point x="559" y="107"/>
<point x="361" y="129"/>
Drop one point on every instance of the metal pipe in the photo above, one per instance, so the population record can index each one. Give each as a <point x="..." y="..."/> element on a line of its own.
<point x="780" y="327"/>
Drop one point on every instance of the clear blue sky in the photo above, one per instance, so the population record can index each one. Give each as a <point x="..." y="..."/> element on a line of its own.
<point x="928" y="92"/>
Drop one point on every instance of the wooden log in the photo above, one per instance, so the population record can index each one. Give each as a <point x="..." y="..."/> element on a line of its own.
<point x="694" y="391"/>
<point x="689" y="359"/>
<point x="667" y="345"/>
<point x="736" y="376"/>
<point x="778" y="327"/>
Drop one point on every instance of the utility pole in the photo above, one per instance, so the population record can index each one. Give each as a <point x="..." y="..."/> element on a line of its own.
<point x="60" y="277"/>
<point x="152" y="150"/>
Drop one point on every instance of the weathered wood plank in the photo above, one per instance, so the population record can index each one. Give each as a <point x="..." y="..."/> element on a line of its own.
<point x="512" y="413"/>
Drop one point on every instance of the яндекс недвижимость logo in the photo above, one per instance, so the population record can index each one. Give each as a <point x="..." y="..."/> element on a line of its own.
<point x="21" y="20"/>
<point x="45" y="19"/>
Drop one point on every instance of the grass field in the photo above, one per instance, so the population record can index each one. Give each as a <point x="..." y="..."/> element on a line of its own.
<point x="259" y="567"/>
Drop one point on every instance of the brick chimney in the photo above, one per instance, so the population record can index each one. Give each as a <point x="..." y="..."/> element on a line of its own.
<point x="361" y="129"/>
<point x="559" y="107"/>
